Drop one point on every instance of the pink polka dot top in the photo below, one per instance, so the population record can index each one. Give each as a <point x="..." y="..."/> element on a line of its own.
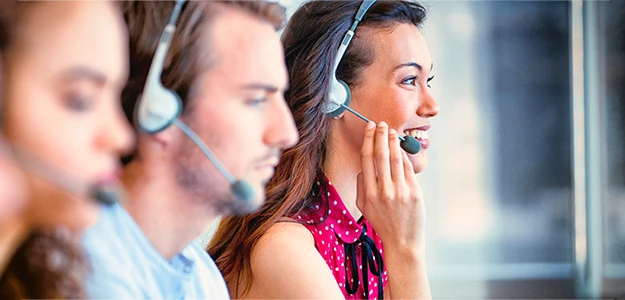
<point x="352" y="249"/>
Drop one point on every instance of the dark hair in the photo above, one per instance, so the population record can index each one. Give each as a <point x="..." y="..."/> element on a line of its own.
<point x="188" y="56"/>
<point x="6" y="15"/>
<point x="47" y="265"/>
<point x="311" y="40"/>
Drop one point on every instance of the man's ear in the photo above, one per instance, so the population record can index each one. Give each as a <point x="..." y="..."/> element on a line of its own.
<point x="162" y="139"/>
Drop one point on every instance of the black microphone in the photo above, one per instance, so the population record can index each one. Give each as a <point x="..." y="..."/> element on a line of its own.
<point x="45" y="171"/>
<point x="408" y="142"/>
<point x="106" y="196"/>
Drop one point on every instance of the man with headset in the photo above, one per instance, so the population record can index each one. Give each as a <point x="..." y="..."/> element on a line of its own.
<point x="207" y="98"/>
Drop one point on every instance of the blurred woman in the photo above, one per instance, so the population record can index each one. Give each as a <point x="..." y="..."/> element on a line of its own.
<point x="11" y="183"/>
<point x="65" y="66"/>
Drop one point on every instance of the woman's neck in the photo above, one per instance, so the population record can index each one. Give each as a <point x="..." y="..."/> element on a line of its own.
<point x="341" y="167"/>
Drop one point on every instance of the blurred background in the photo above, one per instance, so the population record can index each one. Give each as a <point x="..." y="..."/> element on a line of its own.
<point x="525" y="186"/>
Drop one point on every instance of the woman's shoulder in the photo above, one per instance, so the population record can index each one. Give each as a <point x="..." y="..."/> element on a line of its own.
<point x="286" y="264"/>
<point x="286" y="233"/>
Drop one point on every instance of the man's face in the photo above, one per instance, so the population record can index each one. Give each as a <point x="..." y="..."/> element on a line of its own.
<point x="238" y="109"/>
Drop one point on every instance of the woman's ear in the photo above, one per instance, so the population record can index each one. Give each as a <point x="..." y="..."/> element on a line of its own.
<point x="339" y="116"/>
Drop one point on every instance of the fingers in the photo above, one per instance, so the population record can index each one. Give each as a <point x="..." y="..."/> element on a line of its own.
<point x="409" y="174"/>
<point x="411" y="179"/>
<point x="383" y="160"/>
<point x="388" y="192"/>
<point x="382" y="154"/>
<point x="366" y="156"/>
<point x="398" y="158"/>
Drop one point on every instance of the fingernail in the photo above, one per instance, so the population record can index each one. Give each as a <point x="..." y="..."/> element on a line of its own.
<point x="370" y="125"/>
<point x="392" y="132"/>
<point x="382" y="124"/>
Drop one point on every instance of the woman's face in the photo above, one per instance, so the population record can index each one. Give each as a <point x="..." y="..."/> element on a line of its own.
<point x="395" y="87"/>
<point x="64" y="77"/>
<point x="12" y="185"/>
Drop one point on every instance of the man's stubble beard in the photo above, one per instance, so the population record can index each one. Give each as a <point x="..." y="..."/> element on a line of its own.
<point x="199" y="178"/>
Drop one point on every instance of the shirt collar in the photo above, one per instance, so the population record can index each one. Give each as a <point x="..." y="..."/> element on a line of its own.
<point x="340" y="220"/>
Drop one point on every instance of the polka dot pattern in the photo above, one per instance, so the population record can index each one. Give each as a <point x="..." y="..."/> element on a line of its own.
<point x="330" y="236"/>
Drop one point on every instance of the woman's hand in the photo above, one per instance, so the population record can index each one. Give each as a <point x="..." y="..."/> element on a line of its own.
<point x="389" y="195"/>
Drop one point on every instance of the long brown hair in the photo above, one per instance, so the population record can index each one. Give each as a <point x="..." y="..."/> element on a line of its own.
<point x="47" y="265"/>
<point x="6" y="16"/>
<point x="310" y="40"/>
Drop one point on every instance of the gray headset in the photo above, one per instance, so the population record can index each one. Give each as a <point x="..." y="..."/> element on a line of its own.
<point x="340" y="96"/>
<point x="158" y="107"/>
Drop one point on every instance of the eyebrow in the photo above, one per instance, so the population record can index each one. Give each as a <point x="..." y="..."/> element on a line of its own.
<point x="84" y="73"/>
<point x="412" y="64"/>
<point x="260" y="86"/>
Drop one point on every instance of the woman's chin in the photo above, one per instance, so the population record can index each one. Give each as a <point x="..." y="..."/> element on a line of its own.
<point x="71" y="212"/>
<point x="419" y="162"/>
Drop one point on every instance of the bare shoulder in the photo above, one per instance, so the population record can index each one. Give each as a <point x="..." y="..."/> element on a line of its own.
<point x="283" y="242"/>
<point x="286" y="233"/>
<point x="288" y="239"/>
<point x="286" y="264"/>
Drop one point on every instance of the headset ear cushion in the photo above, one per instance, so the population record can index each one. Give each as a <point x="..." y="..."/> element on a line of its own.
<point x="348" y="93"/>
<point x="157" y="110"/>
<point x="341" y="93"/>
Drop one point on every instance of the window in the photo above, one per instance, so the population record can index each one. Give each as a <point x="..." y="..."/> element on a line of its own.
<point x="525" y="187"/>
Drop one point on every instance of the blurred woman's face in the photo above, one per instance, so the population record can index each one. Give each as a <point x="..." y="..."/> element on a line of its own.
<point x="64" y="76"/>
<point x="12" y="188"/>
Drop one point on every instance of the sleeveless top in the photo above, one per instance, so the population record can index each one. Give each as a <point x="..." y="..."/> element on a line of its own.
<point x="352" y="249"/>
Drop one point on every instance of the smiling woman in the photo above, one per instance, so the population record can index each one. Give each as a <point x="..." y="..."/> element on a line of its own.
<point x="65" y="68"/>
<point x="347" y="186"/>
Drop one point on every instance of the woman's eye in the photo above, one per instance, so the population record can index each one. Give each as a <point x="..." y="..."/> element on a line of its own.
<point x="412" y="80"/>
<point x="78" y="103"/>
<point x="257" y="101"/>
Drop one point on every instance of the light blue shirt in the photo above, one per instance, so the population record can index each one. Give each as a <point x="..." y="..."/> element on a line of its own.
<point x="127" y="266"/>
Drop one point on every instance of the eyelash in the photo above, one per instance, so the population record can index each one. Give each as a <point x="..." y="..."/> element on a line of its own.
<point x="411" y="78"/>
<point x="414" y="79"/>
<point x="78" y="103"/>
<point x="428" y="81"/>
<point x="257" y="101"/>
